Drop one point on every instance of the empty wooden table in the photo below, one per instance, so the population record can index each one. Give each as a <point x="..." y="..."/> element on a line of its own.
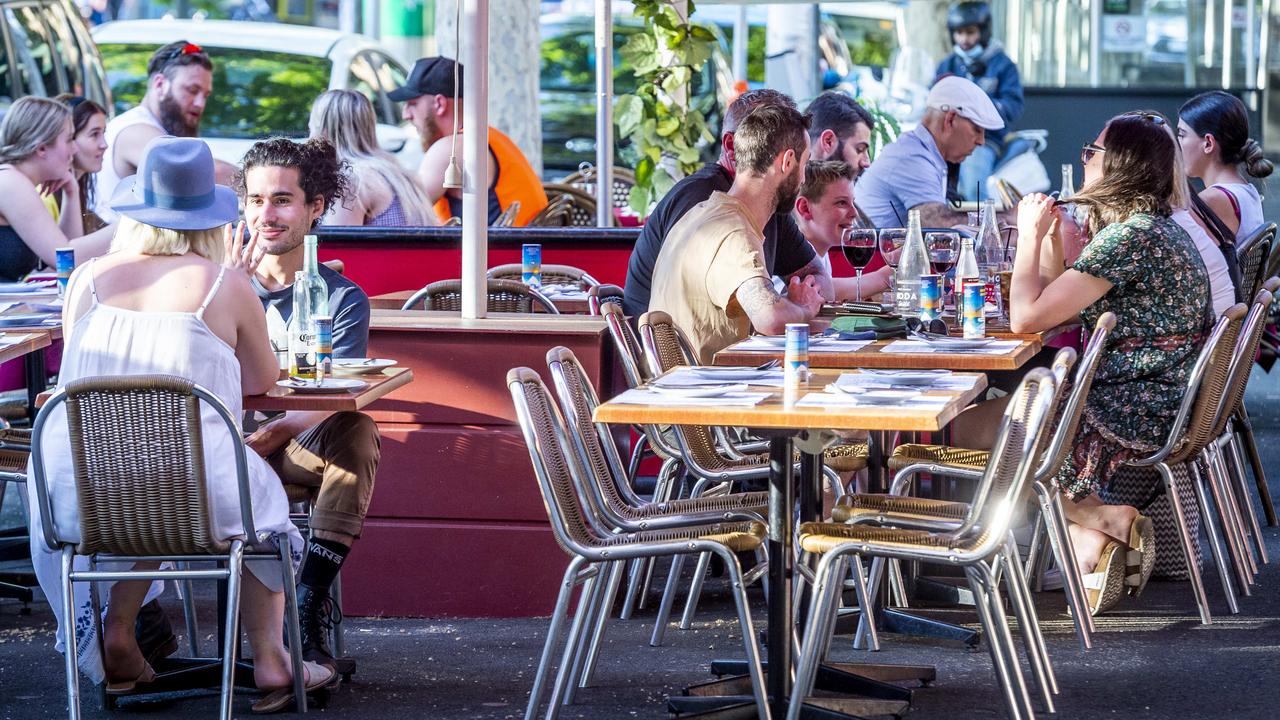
<point x="788" y="422"/>
<point x="279" y="399"/>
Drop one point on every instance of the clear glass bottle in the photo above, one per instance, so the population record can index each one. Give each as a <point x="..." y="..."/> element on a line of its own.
<point x="913" y="263"/>
<point x="310" y="300"/>
<point x="966" y="270"/>
<point x="1068" y="189"/>
<point x="988" y="249"/>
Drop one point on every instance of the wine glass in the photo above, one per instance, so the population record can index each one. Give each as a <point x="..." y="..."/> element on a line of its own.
<point x="943" y="248"/>
<point x="891" y="242"/>
<point x="859" y="245"/>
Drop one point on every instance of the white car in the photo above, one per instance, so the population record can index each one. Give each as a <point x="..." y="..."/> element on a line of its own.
<point x="265" y="78"/>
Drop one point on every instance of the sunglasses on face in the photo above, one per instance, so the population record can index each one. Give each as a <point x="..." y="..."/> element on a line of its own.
<point x="1088" y="151"/>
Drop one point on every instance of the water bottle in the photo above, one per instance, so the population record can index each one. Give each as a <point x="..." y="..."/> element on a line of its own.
<point x="318" y="290"/>
<point x="913" y="263"/>
<point x="302" y="358"/>
<point x="1068" y="182"/>
<point x="966" y="270"/>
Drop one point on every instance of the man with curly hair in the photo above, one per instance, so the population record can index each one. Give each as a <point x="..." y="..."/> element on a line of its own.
<point x="329" y="457"/>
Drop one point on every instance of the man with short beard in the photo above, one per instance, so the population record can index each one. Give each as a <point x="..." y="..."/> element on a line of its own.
<point x="711" y="275"/>
<point x="179" y="83"/>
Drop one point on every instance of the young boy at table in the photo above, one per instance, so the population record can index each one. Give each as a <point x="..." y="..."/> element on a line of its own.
<point x="331" y="457"/>
<point x="824" y="212"/>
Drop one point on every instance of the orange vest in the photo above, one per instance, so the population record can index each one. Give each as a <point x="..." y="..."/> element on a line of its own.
<point x="513" y="179"/>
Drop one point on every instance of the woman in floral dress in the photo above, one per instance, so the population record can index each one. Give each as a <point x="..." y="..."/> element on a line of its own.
<point x="1143" y="267"/>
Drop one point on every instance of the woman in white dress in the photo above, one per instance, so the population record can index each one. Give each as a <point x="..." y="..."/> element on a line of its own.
<point x="167" y="301"/>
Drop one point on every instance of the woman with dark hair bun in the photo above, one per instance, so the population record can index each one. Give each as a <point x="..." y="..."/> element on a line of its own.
<point x="1213" y="130"/>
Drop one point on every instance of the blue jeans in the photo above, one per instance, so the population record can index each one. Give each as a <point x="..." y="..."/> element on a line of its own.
<point x="976" y="169"/>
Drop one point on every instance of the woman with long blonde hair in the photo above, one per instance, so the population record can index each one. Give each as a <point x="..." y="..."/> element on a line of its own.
<point x="384" y="193"/>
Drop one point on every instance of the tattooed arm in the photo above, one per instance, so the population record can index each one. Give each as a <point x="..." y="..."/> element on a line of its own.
<point x="769" y="312"/>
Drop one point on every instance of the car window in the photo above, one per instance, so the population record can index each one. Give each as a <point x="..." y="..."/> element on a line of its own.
<point x="569" y="62"/>
<point x="362" y="79"/>
<point x="256" y="93"/>
<point x="387" y="110"/>
<point x="72" y="54"/>
<point x="31" y="40"/>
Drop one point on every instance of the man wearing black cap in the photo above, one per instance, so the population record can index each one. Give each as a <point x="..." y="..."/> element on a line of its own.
<point x="433" y="103"/>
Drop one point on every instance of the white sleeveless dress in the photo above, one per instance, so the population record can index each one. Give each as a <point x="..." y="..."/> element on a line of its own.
<point x="1247" y="204"/>
<point x="114" y="341"/>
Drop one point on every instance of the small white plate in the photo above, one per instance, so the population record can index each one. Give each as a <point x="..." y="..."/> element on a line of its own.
<point x="732" y="373"/>
<point x="328" y="385"/>
<point x="24" y="320"/>
<point x="356" y="366"/>
<point x="698" y="392"/>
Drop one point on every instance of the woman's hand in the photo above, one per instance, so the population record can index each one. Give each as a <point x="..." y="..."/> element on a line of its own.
<point x="1035" y="213"/>
<point x="238" y="254"/>
<point x="66" y="184"/>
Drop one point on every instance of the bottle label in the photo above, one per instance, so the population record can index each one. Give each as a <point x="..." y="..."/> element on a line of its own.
<point x="302" y="356"/>
<point x="795" y="364"/>
<point x="974" y="319"/>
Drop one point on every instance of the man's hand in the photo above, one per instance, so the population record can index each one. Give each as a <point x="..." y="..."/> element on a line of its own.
<point x="237" y="254"/>
<point x="270" y="437"/>
<point x="805" y="293"/>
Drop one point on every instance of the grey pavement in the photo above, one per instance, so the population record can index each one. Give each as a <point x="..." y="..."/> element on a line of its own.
<point x="1152" y="658"/>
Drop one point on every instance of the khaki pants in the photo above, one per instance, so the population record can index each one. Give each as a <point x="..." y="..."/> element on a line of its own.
<point x="334" y="463"/>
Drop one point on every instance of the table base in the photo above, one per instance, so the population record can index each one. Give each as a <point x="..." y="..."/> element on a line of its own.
<point x="730" y="697"/>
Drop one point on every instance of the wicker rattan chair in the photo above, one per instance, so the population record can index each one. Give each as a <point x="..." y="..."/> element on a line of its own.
<point x="504" y="296"/>
<point x="148" y="501"/>
<point x="598" y="295"/>
<point x="567" y="206"/>
<point x="982" y="536"/>
<point x="551" y="275"/>
<point x="1252" y="255"/>
<point x="592" y="547"/>
<point x="623" y="181"/>
<point x="1242" y="426"/>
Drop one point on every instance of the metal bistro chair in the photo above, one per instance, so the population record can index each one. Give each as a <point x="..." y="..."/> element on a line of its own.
<point x="909" y="460"/>
<point x="982" y="541"/>
<point x="551" y="275"/>
<point x="592" y="547"/>
<point x="1253" y="255"/>
<point x="15" y="542"/>
<point x="508" y="216"/>
<point x="614" y="504"/>
<point x="599" y="295"/>
<point x="622" y="182"/>
<point x="147" y="501"/>
<point x="1242" y="427"/>
<point x="1191" y="431"/>
<point x="504" y="296"/>
<point x="567" y="206"/>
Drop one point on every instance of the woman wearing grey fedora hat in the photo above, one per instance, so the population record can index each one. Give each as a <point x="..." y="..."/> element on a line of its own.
<point x="166" y="301"/>
<point x="36" y="150"/>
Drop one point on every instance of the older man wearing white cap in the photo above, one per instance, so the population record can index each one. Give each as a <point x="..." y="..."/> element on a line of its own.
<point x="911" y="173"/>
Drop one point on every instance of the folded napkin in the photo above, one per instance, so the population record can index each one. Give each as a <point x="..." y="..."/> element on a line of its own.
<point x="892" y="379"/>
<point x="883" y="327"/>
<point x="999" y="347"/>
<point x="698" y="377"/>
<point x="839" y="399"/>
<point x="640" y="396"/>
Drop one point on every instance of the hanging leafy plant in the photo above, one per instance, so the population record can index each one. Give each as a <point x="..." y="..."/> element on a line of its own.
<point x="886" y="129"/>
<point x="661" y="119"/>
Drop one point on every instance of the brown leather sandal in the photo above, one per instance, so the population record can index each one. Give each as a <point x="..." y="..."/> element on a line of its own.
<point x="278" y="699"/>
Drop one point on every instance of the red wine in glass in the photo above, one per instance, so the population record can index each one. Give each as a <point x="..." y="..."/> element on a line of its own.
<point x="859" y="245"/>
<point x="859" y="256"/>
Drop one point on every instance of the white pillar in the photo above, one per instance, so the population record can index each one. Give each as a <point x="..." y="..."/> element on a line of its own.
<point x="604" y="113"/>
<point x="475" y="165"/>
<point x="791" y="52"/>
<point x="740" y="38"/>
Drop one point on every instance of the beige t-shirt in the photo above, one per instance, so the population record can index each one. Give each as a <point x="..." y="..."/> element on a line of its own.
<point x="706" y="256"/>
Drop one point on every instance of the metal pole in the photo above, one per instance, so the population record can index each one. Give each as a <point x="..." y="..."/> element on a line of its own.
<point x="1250" y="43"/>
<point x="1095" y="43"/>
<point x="1228" y="43"/>
<point x="604" y="113"/>
<point x="475" y="157"/>
<point x="740" y="41"/>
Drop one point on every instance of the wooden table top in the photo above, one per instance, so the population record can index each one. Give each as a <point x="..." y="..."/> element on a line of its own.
<point x="395" y="301"/>
<point x="778" y="411"/>
<point x="872" y="357"/>
<point x="280" y="399"/>
<point x="27" y="341"/>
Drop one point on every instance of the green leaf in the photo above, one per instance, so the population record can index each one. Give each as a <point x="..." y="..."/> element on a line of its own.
<point x="688" y="156"/>
<point x="662" y="182"/>
<point x="639" y="199"/>
<point x="639" y="46"/>
<point x="628" y="112"/>
<point x="644" y="171"/>
<point x="666" y="19"/>
<point x="667" y="126"/>
<point x="699" y="32"/>
<point x="676" y="80"/>
<point x="653" y="152"/>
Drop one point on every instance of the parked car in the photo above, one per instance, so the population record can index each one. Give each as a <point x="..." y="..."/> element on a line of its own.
<point x="568" y="80"/>
<point x="46" y="51"/>
<point x="265" y="78"/>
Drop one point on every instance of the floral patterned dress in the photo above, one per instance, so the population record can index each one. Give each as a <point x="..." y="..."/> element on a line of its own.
<point x="1160" y="296"/>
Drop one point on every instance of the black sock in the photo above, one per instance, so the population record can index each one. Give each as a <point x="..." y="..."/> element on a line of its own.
<point x="323" y="561"/>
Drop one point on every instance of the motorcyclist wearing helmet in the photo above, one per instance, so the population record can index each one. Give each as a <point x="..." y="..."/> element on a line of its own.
<point x="977" y="57"/>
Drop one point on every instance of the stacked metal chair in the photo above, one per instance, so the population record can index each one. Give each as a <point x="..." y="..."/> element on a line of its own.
<point x="1253" y="256"/>
<point x="148" y="502"/>
<point x="567" y="206"/>
<point x="593" y="546"/>
<point x="982" y="540"/>
<point x="551" y="275"/>
<point x="599" y="295"/>
<point x="504" y="296"/>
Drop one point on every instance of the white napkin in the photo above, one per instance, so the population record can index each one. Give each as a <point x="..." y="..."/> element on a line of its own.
<point x="816" y="345"/>
<point x="884" y="379"/>
<point x="638" y="396"/>
<point x="998" y="347"/>
<point x="701" y="377"/>
<point x="839" y="399"/>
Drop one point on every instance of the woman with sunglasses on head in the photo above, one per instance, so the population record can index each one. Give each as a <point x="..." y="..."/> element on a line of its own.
<point x="1142" y="266"/>
<point x="89" y="124"/>
<point x="1213" y="130"/>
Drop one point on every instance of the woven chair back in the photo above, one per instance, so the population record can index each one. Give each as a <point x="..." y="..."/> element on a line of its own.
<point x="138" y="456"/>
<point x="622" y="182"/>
<point x="576" y="207"/>
<point x="1246" y="350"/>
<point x="555" y="214"/>
<point x="1208" y="396"/>
<point x="666" y="347"/>
<point x="504" y="296"/>
<point x="551" y="275"/>
<point x="598" y="295"/>
<point x="630" y="354"/>
<point x="544" y="435"/>
<point x="593" y="443"/>
<point x="1063" y="436"/>
<point x="1252" y="256"/>
<point x="1012" y="462"/>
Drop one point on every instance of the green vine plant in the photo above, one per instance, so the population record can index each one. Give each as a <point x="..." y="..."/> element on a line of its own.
<point x="886" y="129"/>
<point x="661" y="119"/>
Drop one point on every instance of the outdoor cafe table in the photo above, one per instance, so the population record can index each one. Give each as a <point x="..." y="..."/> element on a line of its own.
<point x="809" y="429"/>
<point x="567" y="305"/>
<point x="873" y="355"/>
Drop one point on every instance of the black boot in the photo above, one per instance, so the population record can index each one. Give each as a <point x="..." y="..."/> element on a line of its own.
<point x="317" y="615"/>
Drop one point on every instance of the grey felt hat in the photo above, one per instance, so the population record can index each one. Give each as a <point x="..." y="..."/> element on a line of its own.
<point x="175" y="188"/>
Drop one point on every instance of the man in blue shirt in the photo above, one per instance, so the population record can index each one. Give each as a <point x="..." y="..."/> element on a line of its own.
<point x="980" y="58"/>
<point x="911" y="173"/>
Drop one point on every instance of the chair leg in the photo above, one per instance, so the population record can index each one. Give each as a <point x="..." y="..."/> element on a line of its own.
<point x="1065" y="556"/>
<point x="668" y="599"/>
<point x="867" y="616"/>
<point x="1025" y="611"/>
<point x="750" y="644"/>
<point x="564" y="676"/>
<point x="189" y="610"/>
<point x="1236" y="459"/>
<point x="70" y="641"/>
<point x="1005" y="670"/>
<point x="630" y="595"/>
<point x="589" y="605"/>
<point x="567" y="583"/>
<point x="235" y="563"/>
<point x="828" y="580"/>
<point x="616" y="571"/>
<point x="294" y="626"/>
<point x="1215" y="540"/>
<point x="637" y="454"/>
<point x="1208" y="482"/>
<point x="1220" y="479"/>
<point x="695" y="591"/>
<point x="864" y="602"/>
<point x="1188" y="543"/>
<point x="1245" y="427"/>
